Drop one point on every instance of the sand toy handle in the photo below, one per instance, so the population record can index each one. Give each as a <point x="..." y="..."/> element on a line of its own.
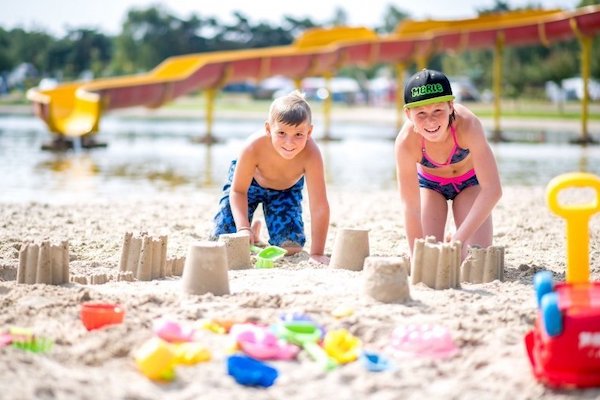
<point x="577" y="217"/>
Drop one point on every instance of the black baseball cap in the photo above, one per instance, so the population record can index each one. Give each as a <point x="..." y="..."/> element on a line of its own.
<point x="426" y="87"/>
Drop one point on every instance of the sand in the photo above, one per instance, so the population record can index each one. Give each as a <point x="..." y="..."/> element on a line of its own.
<point x="487" y="321"/>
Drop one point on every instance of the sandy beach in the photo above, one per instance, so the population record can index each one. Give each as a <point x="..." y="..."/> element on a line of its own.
<point x="487" y="321"/>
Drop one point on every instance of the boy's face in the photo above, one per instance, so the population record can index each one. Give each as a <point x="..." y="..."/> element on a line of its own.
<point x="431" y="121"/>
<point x="288" y="140"/>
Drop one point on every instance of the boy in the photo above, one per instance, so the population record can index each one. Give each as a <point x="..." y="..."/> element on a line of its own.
<point x="271" y="169"/>
<point x="442" y="157"/>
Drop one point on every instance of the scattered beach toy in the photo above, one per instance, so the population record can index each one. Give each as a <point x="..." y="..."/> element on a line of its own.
<point x="265" y="258"/>
<point x="306" y="335"/>
<point x="342" y="311"/>
<point x="24" y="339"/>
<point x="295" y="316"/>
<point x="375" y="362"/>
<point x="5" y="339"/>
<point x="250" y="372"/>
<point x="262" y="344"/>
<point x="156" y="359"/>
<point x="220" y="326"/>
<point x="342" y="346"/>
<point x="424" y="340"/>
<point x="172" y="331"/>
<point x="190" y="353"/>
<point x="95" y="315"/>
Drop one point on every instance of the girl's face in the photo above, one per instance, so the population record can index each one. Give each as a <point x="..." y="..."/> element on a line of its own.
<point x="288" y="140"/>
<point x="431" y="121"/>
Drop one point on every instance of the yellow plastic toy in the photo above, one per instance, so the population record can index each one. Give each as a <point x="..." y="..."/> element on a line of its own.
<point x="342" y="346"/>
<point x="156" y="359"/>
<point x="577" y="217"/>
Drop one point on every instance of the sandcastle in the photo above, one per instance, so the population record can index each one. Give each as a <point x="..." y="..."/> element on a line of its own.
<point x="483" y="265"/>
<point x="205" y="269"/>
<point x="102" y="278"/>
<point x="436" y="264"/>
<point x="386" y="279"/>
<point x="237" y="247"/>
<point x="350" y="249"/>
<point x="43" y="263"/>
<point x="146" y="258"/>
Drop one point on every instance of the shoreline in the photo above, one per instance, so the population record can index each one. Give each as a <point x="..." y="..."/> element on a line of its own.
<point x="352" y="114"/>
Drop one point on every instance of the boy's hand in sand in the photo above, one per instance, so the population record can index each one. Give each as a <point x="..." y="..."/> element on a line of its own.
<point x="319" y="259"/>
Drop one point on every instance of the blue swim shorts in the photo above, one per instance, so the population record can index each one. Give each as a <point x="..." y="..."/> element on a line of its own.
<point x="282" y="210"/>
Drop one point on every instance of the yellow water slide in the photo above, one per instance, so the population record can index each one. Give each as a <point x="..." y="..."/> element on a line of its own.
<point x="74" y="109"/>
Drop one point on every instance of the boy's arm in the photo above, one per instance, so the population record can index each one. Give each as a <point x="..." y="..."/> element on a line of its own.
<point x="238" y="195"/>
<point x="408" y="187"/>
<point x="318" y="203"/>
<point x="486" y="169"/>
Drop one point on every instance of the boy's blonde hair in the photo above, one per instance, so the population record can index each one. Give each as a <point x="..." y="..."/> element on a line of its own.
<point x="291" y="109"/>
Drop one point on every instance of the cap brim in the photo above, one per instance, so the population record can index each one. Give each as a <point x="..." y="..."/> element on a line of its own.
<point x="432" y="100"/>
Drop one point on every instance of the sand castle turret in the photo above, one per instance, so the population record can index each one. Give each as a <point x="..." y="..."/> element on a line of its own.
<point x="43" y="263"/>
<point x="144" y="256"/>
<point x="350" y="249"/>
<point x="436" y="264"/>
<point x="385" y="279"/>
<point x="206" y="269"/>
<point x="237" y="246"/>
<point x="483" y="265"/>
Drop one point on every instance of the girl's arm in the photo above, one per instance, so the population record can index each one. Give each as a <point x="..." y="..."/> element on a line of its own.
<point x="487" y="175"/>
<point x="408" y="186"/>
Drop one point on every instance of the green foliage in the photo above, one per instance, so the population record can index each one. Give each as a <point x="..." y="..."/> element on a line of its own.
<point x="150" y="35"/>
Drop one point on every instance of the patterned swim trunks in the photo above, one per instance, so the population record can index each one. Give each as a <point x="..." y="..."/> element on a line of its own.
<point x="282" y="210"/>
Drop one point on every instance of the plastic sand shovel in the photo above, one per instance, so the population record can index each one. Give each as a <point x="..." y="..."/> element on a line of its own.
<point x="250" y="372"/>
<point x="342" y="346"/>
<point x="577" y="217"/>
<point x="306" y="335"/>
<point x="265" y="258"/>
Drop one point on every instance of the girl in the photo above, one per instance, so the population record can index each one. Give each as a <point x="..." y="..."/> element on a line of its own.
<point x="442" y="157"/>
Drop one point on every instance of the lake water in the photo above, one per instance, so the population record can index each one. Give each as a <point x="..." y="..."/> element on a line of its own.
<point x="145" y="157"/>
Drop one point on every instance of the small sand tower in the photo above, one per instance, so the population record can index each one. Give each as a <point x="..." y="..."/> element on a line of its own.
<point x="385" y="279"/>
<point x="483" y="265"/>
<point x="436" y="264"/>
<point x="43" y="263"/>
<point x="350" y="249"/>
<point x="237" y="246"/>
<point x="206" y="269"/>
<point x="144" y="256"/>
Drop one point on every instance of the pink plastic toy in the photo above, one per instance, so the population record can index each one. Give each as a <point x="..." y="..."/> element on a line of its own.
<point x="172" y="331"/>
<point x="262" y="344"/>
<point x="424" y="340"/>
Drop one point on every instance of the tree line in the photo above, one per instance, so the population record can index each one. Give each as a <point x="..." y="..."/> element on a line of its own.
<point x="150" y="35"/>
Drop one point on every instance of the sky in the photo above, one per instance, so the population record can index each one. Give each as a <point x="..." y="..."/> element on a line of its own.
<point x="107" y="16"/>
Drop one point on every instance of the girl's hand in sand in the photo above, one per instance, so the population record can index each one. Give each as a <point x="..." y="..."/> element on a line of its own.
<point x="319" y="259"/>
